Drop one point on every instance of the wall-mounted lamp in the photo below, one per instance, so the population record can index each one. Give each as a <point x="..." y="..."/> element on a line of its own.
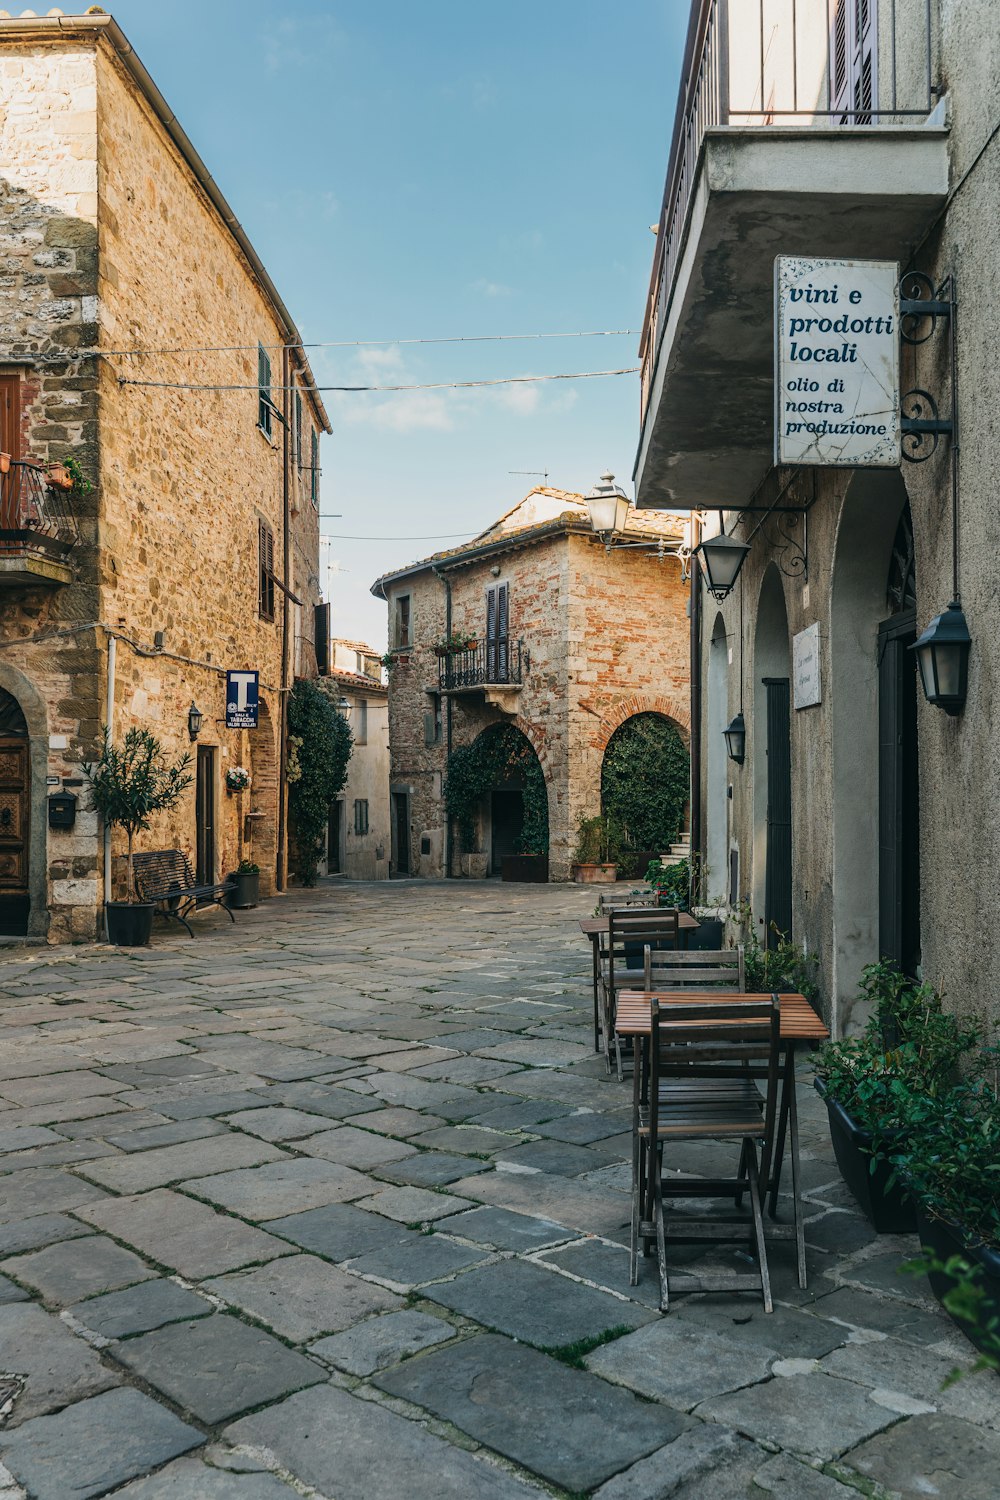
<point x="722" y="557"/>
<point x="195" y="720"/>
<point x="344" y="704"/>
<point x="943" y="659"/>
<point x="608" y="506"/>
<point x="736" y="739"/>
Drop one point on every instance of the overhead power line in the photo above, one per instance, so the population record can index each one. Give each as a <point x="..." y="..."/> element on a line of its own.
<point x="438" y="385"/>
<point x="468" y="338"/>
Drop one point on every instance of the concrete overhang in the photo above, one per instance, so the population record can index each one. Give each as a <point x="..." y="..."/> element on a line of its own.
<point x="707" y="437"/>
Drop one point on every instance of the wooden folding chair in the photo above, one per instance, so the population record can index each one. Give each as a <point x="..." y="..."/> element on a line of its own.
<point x="629" y="932"/>
<point x="697" y="969"/>
<point x="704" y="1060"/>
<point x="625" y="900"/>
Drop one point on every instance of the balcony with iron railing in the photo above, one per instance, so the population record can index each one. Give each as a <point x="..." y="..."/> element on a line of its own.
<point x="803" y="127"/>
<point x="493" y="669"/>
<point x="38" y="528"/>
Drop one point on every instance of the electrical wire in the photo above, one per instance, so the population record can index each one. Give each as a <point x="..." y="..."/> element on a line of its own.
<point x="476" y="338"/>
<point x="440" y="385"/>
<point x="434" y="536"/>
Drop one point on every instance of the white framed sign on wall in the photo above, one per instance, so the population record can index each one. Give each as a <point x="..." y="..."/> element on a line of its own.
<point x="836" y="362"/>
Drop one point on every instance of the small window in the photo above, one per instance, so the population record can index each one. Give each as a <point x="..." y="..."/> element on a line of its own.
<point x="265" y="570"/>
<point x="265" y="406"/>
<point x="401" y="625"/>
<point x="361" y="734"/>
<point x="361" y="816"/>
<point x="432" y="721"/>
<point x="314" y="470"/>
<point x="298" y="431"/>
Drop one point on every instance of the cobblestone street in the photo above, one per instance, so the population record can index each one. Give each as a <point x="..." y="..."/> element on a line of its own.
<point x="335" y="1203"/>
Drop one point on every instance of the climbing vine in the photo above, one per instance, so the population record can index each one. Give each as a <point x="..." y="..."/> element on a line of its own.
<point x="645" y="783"/>
<point x="319" y="748"/>
<point x="498" y="755"/>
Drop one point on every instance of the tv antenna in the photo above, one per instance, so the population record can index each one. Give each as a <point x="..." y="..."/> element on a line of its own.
<point x="531" y="473"/>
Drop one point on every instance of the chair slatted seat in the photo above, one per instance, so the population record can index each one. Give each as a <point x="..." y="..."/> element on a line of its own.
<point x="705" y="1061"/>
<point x="165" y="877"/>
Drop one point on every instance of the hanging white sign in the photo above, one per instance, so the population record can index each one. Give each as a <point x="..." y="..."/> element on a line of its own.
<point x="836" y="362"/>
<point x="806" y="691"/>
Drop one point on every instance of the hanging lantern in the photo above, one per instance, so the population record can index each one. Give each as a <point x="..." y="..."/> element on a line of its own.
<point x="943" y="659"/>
<point x="736" y="739"/>
<point x="722" y="557"/>
<point x="195" y="720"/>
<point x="608" y="506"/>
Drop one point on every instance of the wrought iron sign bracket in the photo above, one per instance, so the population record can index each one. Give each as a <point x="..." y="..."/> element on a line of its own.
<point x="921" y="305"/>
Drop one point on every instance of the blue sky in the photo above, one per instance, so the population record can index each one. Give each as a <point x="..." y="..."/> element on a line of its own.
<point x="418" y="170"/>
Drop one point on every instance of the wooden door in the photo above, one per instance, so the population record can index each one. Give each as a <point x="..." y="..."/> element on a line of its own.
<point x="14" y="817"/>
<point x="205" y="816"/>
<point x="778" y="869"/>
<point x="333" y="866"/>
<point x="899" y="796"/>
<point x="401" y="830"/>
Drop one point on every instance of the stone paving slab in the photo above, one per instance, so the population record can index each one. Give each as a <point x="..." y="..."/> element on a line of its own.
<point x="413" y="1205"/>
<point x="217" y="1367"/>
<point x="22" y="1137"/>
<point x="931" y="1455"/>
<point x="74" y="1269"/>
<point x="169" y="1164"/>
<point x="278" y="1124"/>
<point x="44" y="1190"/>
<point x="355" y="1450"/>
<point x="301" y="1297"/>
<point x="172" y="1133"/>
<point x="190" y="1479"/>
<point x="792" y="1479"/>
<point x="338" y="1231"/>
<point x="673" y="1362"/>
<point x="431" y="1169"/>
<point x="502" y="1230"/>
<point x="288" y="1186"/>
<point x="403" y="1123"/>
<point x="416" y="1259"/>
<point x="41" y="1229"/>
<point x="11" y="1293"/>
<point x="183" y="1235"/>
<point x="139" y="1309"/>
<point x="701" y="1455"/>
<point x="534" y="1410"/>
<point x="538" y="1306"/>
<point x="889" y="1366"/>
<point x="805" y="1412"/>
<point x="379" y="1342"/>
<point x="55" y="1367"/>
<point x="95" y="1445"/>
<point x="361" y="1149"/>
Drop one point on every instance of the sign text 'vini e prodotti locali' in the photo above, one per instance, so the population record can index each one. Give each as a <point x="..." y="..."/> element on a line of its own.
<point x="836" y="375"/>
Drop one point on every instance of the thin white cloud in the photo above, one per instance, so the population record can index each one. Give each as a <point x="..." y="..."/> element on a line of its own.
<point x="492" y="288"/>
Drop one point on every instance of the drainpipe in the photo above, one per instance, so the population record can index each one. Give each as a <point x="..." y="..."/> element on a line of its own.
<point x="286" y="530"/>
<point x="448" y="851"/>
<point x="109" y="715"/>
<point x="695" y="692"/>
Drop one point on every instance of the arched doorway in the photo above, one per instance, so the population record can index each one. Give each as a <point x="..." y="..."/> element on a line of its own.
<point x="772" y="763"/>
<point x="717" y="803"/>
<point x="263" y="816"/>
<point x="645" y="785"/>
<point x="873" y="693"/>
<point x="15" y="818"/>
<point x="496" y="794"/>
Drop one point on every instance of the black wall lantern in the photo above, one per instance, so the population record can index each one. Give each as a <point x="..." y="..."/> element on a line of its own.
<point x="943" y="659"/>
<point x="736" y="739"/>
<point x="195" y="720"/>
<point x="722" y="557"/>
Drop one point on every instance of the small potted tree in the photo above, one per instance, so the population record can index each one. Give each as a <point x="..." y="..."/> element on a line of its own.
<point x="594" y="859"/>
<point x="247" y="892"/>
<point x="128" y="784"/>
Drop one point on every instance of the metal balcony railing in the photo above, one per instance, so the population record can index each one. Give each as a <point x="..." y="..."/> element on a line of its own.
<point x="32" y="514"/>
<point x="809" y="63"/>
<point x="496" y="663"/>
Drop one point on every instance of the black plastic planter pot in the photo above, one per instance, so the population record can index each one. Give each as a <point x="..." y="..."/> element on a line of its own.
<point x="944" y="1240"/>
<point x="889" y="1210"/>
<point x="527" y="869"/>
<point x="247" y="892"/>
<point x="129" y="923"/>
<point x="707" y="935"/>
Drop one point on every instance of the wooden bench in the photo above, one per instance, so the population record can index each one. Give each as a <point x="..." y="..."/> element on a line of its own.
<point x="165" y="877"/>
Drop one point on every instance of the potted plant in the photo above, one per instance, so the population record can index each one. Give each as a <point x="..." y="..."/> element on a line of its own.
<point x="6" y="460"/>
<point x="594" y="860"/>
<point x="128" y="785"/>
<point x="237" y="779"/>
<point x="247" y="878"/>
<point x="474" y="864"/>
<point x="909" y="1046"/>
<point x="949" y="1158"/>
<point x="457" y="641"/>
<point x="672" y="884"/>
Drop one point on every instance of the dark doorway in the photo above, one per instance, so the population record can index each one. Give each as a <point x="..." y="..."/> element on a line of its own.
<point x="899" y="795"/>
<point x="778" y="870"/>
<point x="333" y="866"/>
<point x="204" y="816"/>
<point x="15" y="810"/>
<point x="506" y="825"/>
<point x="401" y="831"/>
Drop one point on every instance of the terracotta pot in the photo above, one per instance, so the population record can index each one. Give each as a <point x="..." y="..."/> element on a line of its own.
<point x="5" y="463"/>
<point x="58" y="477"/>
<point x="595" y="874"/>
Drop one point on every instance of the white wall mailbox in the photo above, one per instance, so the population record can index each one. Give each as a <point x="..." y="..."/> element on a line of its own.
<point x="836" y="362"/>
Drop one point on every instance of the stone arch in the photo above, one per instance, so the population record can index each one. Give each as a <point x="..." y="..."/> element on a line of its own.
<point x="263" y="844"/>
<point x="637" y="793"/>
<point x="641" y="703"/>
<point x="501" y="813"/>
<point x="717" y="716"/>
<point x="866" y="530"/>
<point x="33" y="707"/>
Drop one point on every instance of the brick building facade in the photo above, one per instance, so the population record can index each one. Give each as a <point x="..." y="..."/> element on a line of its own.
<point x="572" y="640"/>
<point x="128" y="603"/>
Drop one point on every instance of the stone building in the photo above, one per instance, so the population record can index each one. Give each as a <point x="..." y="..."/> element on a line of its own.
<point x="358" y="839"/>
<point x="192" y="546"/>
<point x="571" y="641"/>
<point x="862" y="819"/>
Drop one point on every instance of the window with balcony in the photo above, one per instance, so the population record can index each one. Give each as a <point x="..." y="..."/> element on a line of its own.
<point x="853" y="61"/>
<point x="265" y="571"/>
<point x="497" y="632"/>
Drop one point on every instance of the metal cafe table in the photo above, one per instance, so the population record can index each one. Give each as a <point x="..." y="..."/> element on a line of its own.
<point x="596" y="929"/>
<point x="798" y="1023"/>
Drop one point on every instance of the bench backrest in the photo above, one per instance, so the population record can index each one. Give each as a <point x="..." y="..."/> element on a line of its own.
<point x="162" y="872"/>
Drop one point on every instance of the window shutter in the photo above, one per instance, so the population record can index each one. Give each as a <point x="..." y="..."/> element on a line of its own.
<point x="263" y="390"/>
<point x="430" y="737"/>
<point x="298" y="430"/>
<point x="314" y="472"/>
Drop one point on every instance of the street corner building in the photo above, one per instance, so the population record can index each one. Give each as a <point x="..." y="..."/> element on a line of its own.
<point x="820" y="391"/>
<point x="358" y="833"/>
<point x="179" y="539"/>
<point x="543" y="633"/>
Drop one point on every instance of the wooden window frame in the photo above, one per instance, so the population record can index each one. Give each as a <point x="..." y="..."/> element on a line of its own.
<point x="360" y="816"/>
<point x="398" y="641"/>
<point x="298" y="431"/>
<point x="265" y="571"/>
<point x="265" y="403"/>
<point x="314" y="470"/>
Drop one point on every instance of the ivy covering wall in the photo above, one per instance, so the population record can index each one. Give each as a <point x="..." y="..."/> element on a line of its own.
<point x="319" y="748"/>
<point x="645" y="782"/>
<point x="500" y="755"/>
